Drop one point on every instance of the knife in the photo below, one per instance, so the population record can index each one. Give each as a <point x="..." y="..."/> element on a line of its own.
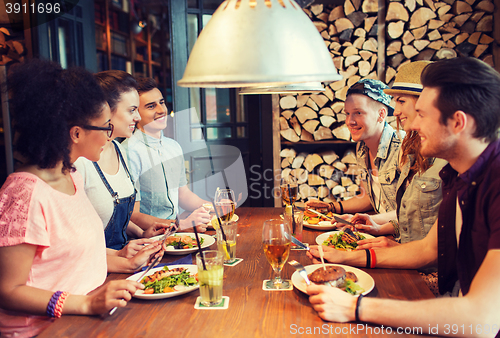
<point x="296" y="241"/>
<point x="336" y="218"/>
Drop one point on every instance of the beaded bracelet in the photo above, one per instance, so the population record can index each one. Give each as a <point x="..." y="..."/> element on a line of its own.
<point x="52" y="303"/>
<point x="368" y="258"/>
<point x="60" y="304"/>
<point x="356" y="312"/>
<point x="395" y="225"/>
<point x="341" y="207"/>
<point x="373" y="259"/>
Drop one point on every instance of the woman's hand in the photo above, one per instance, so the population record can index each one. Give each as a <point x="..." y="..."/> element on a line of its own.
<point x="158" y="228"/>
<point x="364" y="223"/>
<point x="332" y="304"/>
<point x="377" y="242"/>
<point x="115" y="293"/>
<point x="146" y="255"/>
<point x="133" y="247"/>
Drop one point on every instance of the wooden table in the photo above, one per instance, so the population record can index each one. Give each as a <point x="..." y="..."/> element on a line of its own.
<point x="252" y="312"/>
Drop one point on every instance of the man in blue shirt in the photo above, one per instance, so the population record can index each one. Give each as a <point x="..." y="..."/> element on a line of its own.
<point x="157" y="165"/>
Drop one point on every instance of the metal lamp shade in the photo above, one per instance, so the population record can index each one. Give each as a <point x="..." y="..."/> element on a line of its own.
<point x="258" y="43"/>
<point x="294" y="88"/>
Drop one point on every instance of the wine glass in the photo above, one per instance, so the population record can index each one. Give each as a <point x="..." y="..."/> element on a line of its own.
<point x="276" y="244"/>
<point x="225" y="204"/>
<point x="289" y="189"/>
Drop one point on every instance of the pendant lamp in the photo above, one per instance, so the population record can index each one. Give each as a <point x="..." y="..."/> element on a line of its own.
<point x="258" y="43"/>
<point x="294" y="88"/>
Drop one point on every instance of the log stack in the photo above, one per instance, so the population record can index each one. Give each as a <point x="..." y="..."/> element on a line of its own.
<point x="432" y="30"/>
<point x="324" y="175"/>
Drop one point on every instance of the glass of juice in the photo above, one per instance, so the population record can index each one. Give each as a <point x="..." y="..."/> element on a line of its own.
<point x="227" y="245"/>
<point x="210" y="275"/>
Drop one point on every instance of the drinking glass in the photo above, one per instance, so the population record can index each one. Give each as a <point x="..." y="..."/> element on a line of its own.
<point x="227" y="245"/>
<point x="289" y="189"/>
<point x="275" y="234"/>
<point x="296" y="223"/>
<point x="225" y="204"/>
<point x="210" y="276"/>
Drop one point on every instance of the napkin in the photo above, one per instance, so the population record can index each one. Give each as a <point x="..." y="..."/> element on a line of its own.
<point x="184" y="260"/>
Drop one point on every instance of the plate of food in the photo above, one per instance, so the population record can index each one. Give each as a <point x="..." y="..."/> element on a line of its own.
<point x="316" y="222"/>
<point x="167" y="281"/>
<point x="342" y="240"/>
<point x="344" y="277"/>
<point x="322" y="225"/>
<point x="235" y="218"/>
<point x="183" y="243"/>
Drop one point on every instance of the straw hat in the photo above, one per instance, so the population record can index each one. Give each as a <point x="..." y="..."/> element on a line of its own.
<point x="408" y="79"/>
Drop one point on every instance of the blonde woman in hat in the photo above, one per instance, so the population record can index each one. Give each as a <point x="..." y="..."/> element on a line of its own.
<point x="418" y="193"/>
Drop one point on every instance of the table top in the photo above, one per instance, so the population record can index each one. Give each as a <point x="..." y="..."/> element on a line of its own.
<point x="252" y="311"/>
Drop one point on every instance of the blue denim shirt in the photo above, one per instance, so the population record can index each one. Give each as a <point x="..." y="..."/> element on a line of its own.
<point x="386" y="163"/>
<point x="418" y="203"/>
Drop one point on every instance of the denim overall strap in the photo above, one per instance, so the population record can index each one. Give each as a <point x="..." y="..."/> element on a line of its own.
<point x="115" y="230"/>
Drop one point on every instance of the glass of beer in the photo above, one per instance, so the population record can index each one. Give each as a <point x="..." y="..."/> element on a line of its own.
<point x="275" y="234"/>
<point x="210" y="276"/>
<point x="224" y="204"/>
<point x="289" y="189"/>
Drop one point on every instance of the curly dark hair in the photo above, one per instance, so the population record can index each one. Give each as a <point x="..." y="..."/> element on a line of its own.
<point x="470" y="85"/>
<point x="46" y="102"/>
<point x="114" y="83"/>
<point x="145" y="84"/>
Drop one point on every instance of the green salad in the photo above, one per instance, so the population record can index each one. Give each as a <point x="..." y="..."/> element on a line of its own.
<point x="165" y="280"/>
<point x="344" y="241"/>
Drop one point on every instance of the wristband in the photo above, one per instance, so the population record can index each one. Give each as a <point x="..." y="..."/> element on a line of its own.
<point x="368" y="258"/>
<point x="332" y="207"/>
<point x="373" y="259"/>
<point x="60" y="304"/>
<point x="52" y="303"/>
<point x="395" y="225"/>
<point x="356" y="312"/>
<point x="341" y="207"/>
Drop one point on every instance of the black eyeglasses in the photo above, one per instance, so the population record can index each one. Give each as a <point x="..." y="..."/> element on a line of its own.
<point x="109" y="129"/>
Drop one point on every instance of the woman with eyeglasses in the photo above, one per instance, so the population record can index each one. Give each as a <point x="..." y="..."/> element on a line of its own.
<point x="108" y="183"/>
<point x="52" y="249"/>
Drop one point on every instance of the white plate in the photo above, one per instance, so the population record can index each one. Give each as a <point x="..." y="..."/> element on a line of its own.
<point x="235" y="218"/>
<point x="207" y="241"/>
<point x="323" y="237"/>
<point x="364" y="280"/>
<point x="323" y="225"/>
<point x="193" y="269"/>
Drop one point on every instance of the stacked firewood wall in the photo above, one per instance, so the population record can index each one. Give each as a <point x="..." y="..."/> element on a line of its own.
<point x="430" y="30"/>
<point x="415" y="30"/>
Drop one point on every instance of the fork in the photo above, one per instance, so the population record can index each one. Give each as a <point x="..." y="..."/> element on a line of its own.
<point x="301" y="270"/>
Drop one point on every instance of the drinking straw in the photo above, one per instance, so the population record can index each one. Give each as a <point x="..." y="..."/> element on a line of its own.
<point x="291" y="204"/>
<point x="228" y="248"/>
<point x="199" y="246"/>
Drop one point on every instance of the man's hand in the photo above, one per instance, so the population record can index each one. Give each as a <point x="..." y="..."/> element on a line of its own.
<point x="331" y="303"/>
<point x="377" y="242"/>
<point x="200" y="217"/>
